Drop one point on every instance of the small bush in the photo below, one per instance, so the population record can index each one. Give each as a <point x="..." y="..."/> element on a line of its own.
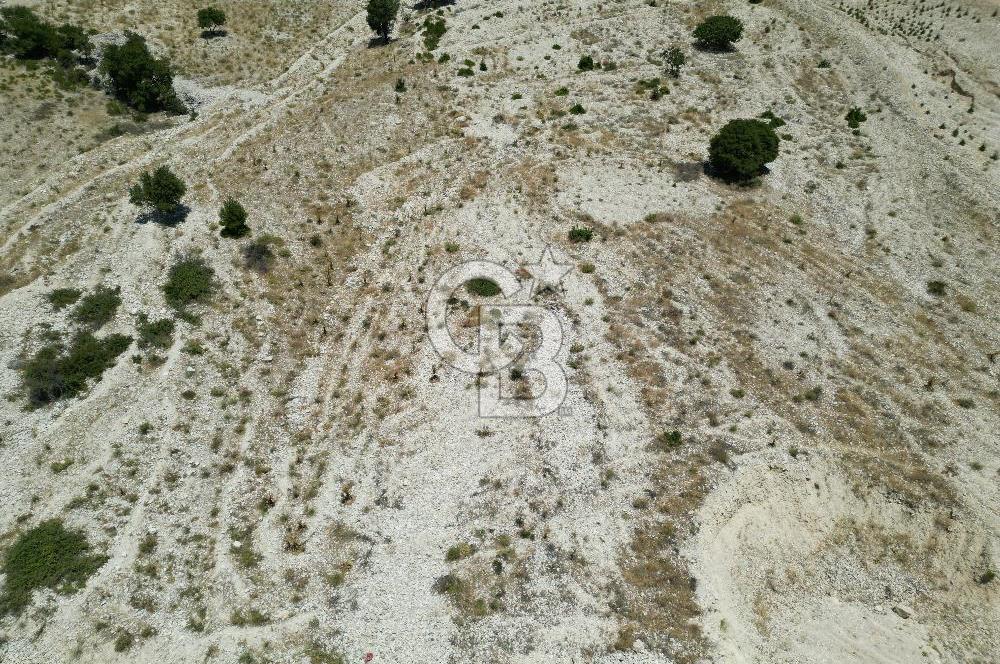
<point x="580" y="234"/>
<point x="211" y="19"/>
<point x="586" y="63"/>
<point x="742" y="148"/>
<point x="189" y="281"/>
<point x="772" y="120"/>
<point x="47" y="556"/>
<point x="124" y="642"/>
<point x="482" y="287"/>
<point x="258" y="256"/>
<point x="434" y="29"/>
<point x="98" y="308"/>
<point x="936" y="288"/>
<point x="577" y="109"/>
<point x="717" y="33"/>
<point x="156" y="334"/>
<point x="675" y="60"/>
<point x="61" y="298"/>
<point x="55" y="372"/>
<point x="233" y="218"/>
<point x="855" y="117"/>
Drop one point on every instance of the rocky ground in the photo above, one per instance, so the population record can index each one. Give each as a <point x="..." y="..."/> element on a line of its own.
<point x="300" y="477"/>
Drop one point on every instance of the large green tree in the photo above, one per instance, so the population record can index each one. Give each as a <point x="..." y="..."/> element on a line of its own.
<point x="741" y="149"/>
<point x="211" y="19"/>
<point x="233" y="218"/>
<point x="160" y="190"/>
<point x="382" y="16"/>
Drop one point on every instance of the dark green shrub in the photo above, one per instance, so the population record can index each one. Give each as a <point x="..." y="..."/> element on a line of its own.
<point x="772" y="120"/>
<point x="936" y="288"/>
<point x="434" y="29"/>
<point x="855" y="117"/>
<point x="124" y="642"/>
<point x="55" y="372"/>
<point x="98" y="308"/>
<point x="158" y="333"/>
<point x="717" y="33"/>
<point x="400" y="86"/>
<point x="210" y="19"/>
<point x="577" y="109"/>
<point x="465" y="72"/>
<point x="61" y="298"/>
<point x="233" y="218"/>
<point x="47" y="556"/>
<point x="382" y="16"/>
<point x="675" y="60"/>
<point x="137" y="78"/>
<point x="580" y="234"/>
<point x="161" y="190"/>
<point x="258" y="256"/>
<point x="586" y="63"/>
<point x="742" y="148"/>
<point x="482" y="287"/>
<point x="25" y="35"/>
<point x="190" y="280"/>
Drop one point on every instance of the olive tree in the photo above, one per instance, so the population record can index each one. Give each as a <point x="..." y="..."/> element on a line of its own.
<point x="741" y="149"/>
<point x="382" y="16"/>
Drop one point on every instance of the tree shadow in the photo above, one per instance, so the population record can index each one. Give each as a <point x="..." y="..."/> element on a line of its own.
<point x="169" y="219"/>
<point x="376" y="42"/>
<point x="214" y="34"/>
<point x="432" y="4"/>
<point x="710" y="48"/>
<point x="733" y="179"/>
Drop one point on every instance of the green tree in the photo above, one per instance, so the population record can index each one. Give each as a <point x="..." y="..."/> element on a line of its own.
<point x="25" y="35"/>
<point x="211" y="19"/>
<point x="382" y="16"/>
<point x="741" y="149"/>
<point x="717" y="33"/>
<point x="160" y="190"/>
<point x="233" y="218"/>
<point x="137" y="78"/>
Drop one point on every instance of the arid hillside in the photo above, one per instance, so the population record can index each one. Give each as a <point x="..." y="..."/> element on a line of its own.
<point x="780" y="438"/>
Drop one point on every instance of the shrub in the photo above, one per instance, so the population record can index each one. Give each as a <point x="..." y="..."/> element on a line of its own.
<point x="257" y="256"/>
<point x="717" y="33"/>
<point x="211" y="19"/>
<point x="675" y="60"/>
<point x="55" y="373"/>
<point x="161" y="190"/>
<point x="586" y="63"/>
<point x="855" y="117"/>
<point x="190" y="280"/>
<point x="937" y="288"/>
<point x="580" y="234"/>
<point x="772" y="120"/>
<point x="382" y="16"/>
<point x="61" y="298"/>
<point x="434" y="29"/>
<point x="158" y="333"/>
<point x="98" y="308"/>
<point x="577" y="109"/>
<point x="47" y="556"/>
<point x="233" y="218"/>
<point x="482" y="287"/>
<point x="138" y="79"/>
<point x="741" y="149"/>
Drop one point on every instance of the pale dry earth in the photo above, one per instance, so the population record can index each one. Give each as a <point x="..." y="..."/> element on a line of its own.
<point x="314" y="460"/>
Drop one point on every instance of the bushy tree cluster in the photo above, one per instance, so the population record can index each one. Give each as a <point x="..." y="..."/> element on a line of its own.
<point x="138" y="79"/>
<point x="27" y="36"/>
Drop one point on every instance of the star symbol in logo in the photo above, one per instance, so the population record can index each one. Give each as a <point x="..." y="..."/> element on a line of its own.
<point x="546" y="272"/>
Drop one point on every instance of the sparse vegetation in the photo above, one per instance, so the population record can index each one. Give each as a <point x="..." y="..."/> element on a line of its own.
<point x="55" y="372"/>
<point x="61" y="298"/>
<point x="482" y="287"/>
<point x="98" y="308"/>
